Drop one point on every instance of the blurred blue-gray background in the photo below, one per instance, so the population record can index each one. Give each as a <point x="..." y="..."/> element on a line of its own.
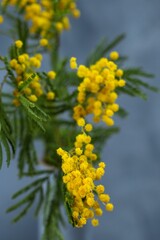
<point x="133" y="157"/>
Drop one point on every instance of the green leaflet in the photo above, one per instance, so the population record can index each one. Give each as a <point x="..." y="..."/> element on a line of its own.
<point x="7" y="149"/>
<point x="52" y="213"/>
<point x="10" y="73"/>
<point x="137" y="82"/>
<point x="34" y="112"/>
<point x="37" y="188"/>
<point x="100" y="136"/>
<point x="10" y="139"/>
<point x="35" y="173"/>
<point x="23" y="201"/>
<point x="122" y="113"/>
<point x="28" y="187"/>
<point x="24" y="211"/>
<point x="102" y="49"/>
<point x="133" y="91"/>
<point x="68" y="204"/>
<point x="40" y="202"/>
<point x="27" y="155"/>
<point x="49" y="194"/>
<point x="23" y="32"/>
<point x="138" y="72"/>
<point x="13" y="52"/>
<point x="6" y="138"/>
<point x="52" y="230"/>
<point x="1" y="156"/>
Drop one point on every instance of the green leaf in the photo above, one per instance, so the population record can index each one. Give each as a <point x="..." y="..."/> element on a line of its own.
<point x="42" y="115"/>
<point x="114" y="43"/>
<point x="138" y="72"/>
<point x="100" y="135"/>
<point x="133" y="91"/>
<point x="40" y="203"/>
<point x="37" y="188"/>
<point x="27" y="153"/>
<point x="9" y="70"/>
<point x="102" y="49"/>
<point x="20" y="203"/>
<point x="16" y="126"/>
<point x="34" y="112"/>
<point x="10" y="139"/>
<point x="52" y="214"/>
<point x="122" y="113"/>
<point x="47" y="201"/>
<point x="28" y="187"/>
<point x="51" y="228"/>
<point x="1" y="156"/>
<point x="68" y="203"/>
<point x="25" y="102"/>
<point x="13" y="52"/>
<point x="7" y="95"/>
<point x="35" y="173"/>
<point x="21" y="160"/>
<point x="23" y="127"/>
<point x="6" y="135"/>
<point x="22" y="28"/>
<point x="138" y="82"/>
<point x="7" y="149"/>
<point x="27" y="199"/>
<point x="23" y="212"/>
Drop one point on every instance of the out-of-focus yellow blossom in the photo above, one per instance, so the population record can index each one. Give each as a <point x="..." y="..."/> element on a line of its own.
<point x="95" y="222"/>
<point x="43" y="42"/>
<point x="81" y="122"/>
<point x="119" y="73"/>
<point x="79" y="176"/>
<point x="33" y="98"/>
<point x="16" y="102"/>
<point x="44" y="17"/>
<point x="114" y="55"/>
<point x="97" y="90"/>
<point x="1" y="19"/>
<point x="51" y="75"/>
<point x="59" y="26"/>
<point x="76" y="13"/>
<point x="50" y="95"/>
<point x="88" y="127"/>
<point x="73" y="63"/>
<point x="18" y="43"/>
<point x="66" y="23"/>
<point x="109" y="207"/>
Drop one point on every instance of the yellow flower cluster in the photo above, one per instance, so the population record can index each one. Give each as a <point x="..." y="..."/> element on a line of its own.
<point x="24" y="66"/>
<point x="80" y="176"/>
<point x="97" y="90"/>
<point x="46" y="16"/>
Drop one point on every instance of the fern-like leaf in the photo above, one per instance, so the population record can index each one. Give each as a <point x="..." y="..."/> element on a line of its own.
<point x="6" y="137"/>
<point x="36" y="188"/>
<point x="102" y="49"/>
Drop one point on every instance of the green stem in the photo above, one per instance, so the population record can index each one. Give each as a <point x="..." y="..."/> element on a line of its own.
<point x="54" y="56"/>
